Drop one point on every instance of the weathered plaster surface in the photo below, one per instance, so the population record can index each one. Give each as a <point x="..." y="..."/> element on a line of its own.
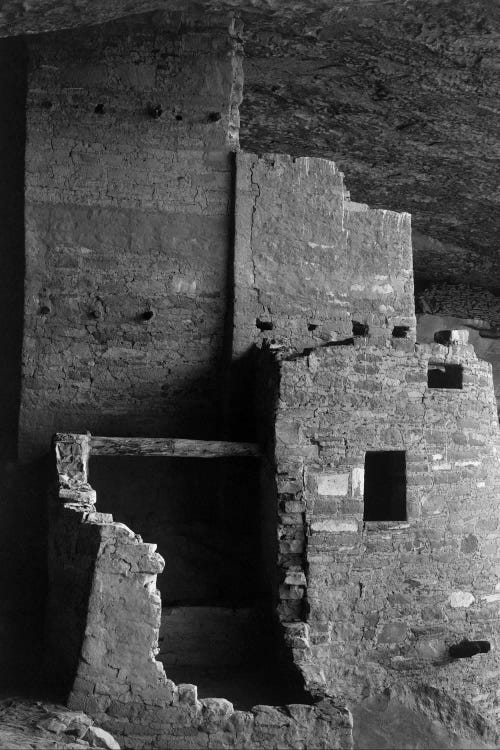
<point x="309" y="263"/>
<point x="127" y="229"/>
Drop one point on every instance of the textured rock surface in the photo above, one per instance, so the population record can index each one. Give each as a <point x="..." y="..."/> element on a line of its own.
<point x="391" y="720"/>
<point x="32" y="724"/>
<point x="401" y="95"/>
<point x="354" y="636"/>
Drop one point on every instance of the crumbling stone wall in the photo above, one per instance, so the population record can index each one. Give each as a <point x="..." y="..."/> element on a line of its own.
<point x="484" y="339"/>
<point x="385" y="600"/>
<point x="309" y="263"/>
<point x="130" y="128"/>
<point x="114" y="675"/>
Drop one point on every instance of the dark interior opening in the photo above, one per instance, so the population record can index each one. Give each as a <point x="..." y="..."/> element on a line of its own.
<point x="264" y="325"/>
<point x="205" y="516"/>
<point x="440" y="375"/>
<point x="465" y="649"/>
<point x="385" y="486"/>
<point x="359" y="329"/>
<point x="13" y="64"/>
<point x="400" y="332"/>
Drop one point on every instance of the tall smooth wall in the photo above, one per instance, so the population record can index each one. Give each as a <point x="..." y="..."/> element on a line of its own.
<point x="130" y="129"/>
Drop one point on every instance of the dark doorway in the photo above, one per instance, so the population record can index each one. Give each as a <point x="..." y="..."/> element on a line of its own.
<point x="440" y="375"/>
<point x="385" y="486"/>
<point x="217" y="628"/>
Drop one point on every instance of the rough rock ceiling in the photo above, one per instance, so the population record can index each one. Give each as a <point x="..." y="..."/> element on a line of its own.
<point x="405" y="97"/>
<point x="403" y="94"/>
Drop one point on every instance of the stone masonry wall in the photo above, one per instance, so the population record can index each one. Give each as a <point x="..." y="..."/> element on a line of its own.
<point x="385" y="600"/>
<point x="130" y="128"/>
<point x="309" y="262"/>
<point x="118" y="681"/>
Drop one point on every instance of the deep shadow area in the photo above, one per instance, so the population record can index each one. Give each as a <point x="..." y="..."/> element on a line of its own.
<point x="23" y="578"/>
<point x="202" y="513"/>
<point x="385" y="486"/>
<point x="242" y="421"/>
<point x="22" y="487"/>
<point x="13" y="62"/>
<point x="445" y="376"/>
<point x="266" y="682"/>
<point x="218" y="630"/>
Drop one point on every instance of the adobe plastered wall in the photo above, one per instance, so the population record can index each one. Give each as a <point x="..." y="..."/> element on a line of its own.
<point x="130" y="128"/>
<point x="385" y="600"/>
<point x="309" y="262"/>
<point x="111" y="643"/>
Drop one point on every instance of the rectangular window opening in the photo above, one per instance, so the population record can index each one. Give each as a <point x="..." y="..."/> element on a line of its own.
<point x="385" y="486"/>
<point x="440" y="375"/>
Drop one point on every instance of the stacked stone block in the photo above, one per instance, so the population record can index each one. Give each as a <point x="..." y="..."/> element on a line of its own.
<point x="385" y="600"/>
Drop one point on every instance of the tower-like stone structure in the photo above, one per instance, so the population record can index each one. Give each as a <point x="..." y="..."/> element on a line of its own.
<point x="161" y="264"/>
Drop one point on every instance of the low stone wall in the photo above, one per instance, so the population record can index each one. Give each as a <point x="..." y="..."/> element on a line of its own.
<point x="109" y="660"/>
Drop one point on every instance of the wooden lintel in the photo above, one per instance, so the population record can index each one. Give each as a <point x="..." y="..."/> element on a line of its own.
<point x="136" y="446"/>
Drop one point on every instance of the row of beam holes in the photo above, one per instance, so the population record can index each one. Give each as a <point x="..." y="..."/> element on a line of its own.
<point x="439" y="375"/>
<point x="358" y="329"/>
<point x="153" y="110"/>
